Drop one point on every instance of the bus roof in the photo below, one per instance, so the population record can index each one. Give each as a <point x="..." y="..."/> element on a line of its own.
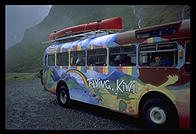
<point x="174" y="30"/>
<point x="89" y="43"/>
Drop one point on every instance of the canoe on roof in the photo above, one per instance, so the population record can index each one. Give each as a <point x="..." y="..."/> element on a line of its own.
<point x="114" y="23"/>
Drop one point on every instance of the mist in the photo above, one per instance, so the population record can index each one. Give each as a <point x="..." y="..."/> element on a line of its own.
<point x="21" y="17"/>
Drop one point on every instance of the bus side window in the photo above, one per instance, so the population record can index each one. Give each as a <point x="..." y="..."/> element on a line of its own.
<point x="122" y="56"/>
<point x="187" y="57"/>
<point x="97" y="57"/>
<point x="164" y="54"/>
<point x="62" y="59"/>
<point x="78" y="58"/>
<point x="51" y="60"/>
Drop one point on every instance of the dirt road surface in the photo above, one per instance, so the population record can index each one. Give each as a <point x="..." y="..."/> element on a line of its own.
<point x="29" y="107"/>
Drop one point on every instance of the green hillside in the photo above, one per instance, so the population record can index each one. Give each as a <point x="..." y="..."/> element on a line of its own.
<point x="26" y="56"/>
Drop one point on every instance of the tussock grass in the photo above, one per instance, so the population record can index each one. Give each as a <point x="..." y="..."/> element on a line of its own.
<point x="20" y="76"/>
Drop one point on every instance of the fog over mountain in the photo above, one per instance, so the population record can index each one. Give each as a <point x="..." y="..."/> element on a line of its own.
<point x="21" y="17"/>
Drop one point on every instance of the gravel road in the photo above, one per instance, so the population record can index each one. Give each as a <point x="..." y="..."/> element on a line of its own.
<point x="29" y="107"/>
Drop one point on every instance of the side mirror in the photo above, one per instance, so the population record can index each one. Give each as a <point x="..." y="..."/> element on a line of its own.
<point x="40" y="73"/>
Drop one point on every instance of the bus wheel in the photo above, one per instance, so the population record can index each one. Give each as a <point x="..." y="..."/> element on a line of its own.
<point x="63" y="96"/>
<point x="159" y="114"/>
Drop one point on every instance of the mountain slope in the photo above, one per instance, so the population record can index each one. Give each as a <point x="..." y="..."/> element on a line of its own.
<point x="26" y="56"/>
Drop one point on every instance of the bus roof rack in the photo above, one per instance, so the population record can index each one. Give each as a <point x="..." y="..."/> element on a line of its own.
<point x="80" y="36"/>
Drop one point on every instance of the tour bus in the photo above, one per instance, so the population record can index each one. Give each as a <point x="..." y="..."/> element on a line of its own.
<point x="144" y="73"/>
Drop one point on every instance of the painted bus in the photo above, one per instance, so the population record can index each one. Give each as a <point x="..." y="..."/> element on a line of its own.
<point x="144" y="73"/>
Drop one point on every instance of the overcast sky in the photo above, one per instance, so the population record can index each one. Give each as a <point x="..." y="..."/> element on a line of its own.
<point x="21" y="17"/>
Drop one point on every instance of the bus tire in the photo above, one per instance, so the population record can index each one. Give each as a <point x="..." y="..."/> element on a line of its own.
<point x="159" y="114"/>
<point x="63" y="96"/>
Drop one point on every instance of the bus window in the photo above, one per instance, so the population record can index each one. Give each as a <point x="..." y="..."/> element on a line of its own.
<point x="62" y="59"/>
<point x="158" y="55"/>
<point x="188" y="57"/>
<point x="155" y="33"/>
<point x="51" y="59"/>
<point x="78" y="58"/>
<point x="123" y="56"/>
<point x="97" y="57"/>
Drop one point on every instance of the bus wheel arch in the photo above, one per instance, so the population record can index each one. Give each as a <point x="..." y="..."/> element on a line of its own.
<point x="62" y="94"/>
<point x="157" y="103"/>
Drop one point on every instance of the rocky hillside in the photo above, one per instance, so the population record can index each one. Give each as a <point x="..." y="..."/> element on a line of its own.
<point x="26" y="56"/>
